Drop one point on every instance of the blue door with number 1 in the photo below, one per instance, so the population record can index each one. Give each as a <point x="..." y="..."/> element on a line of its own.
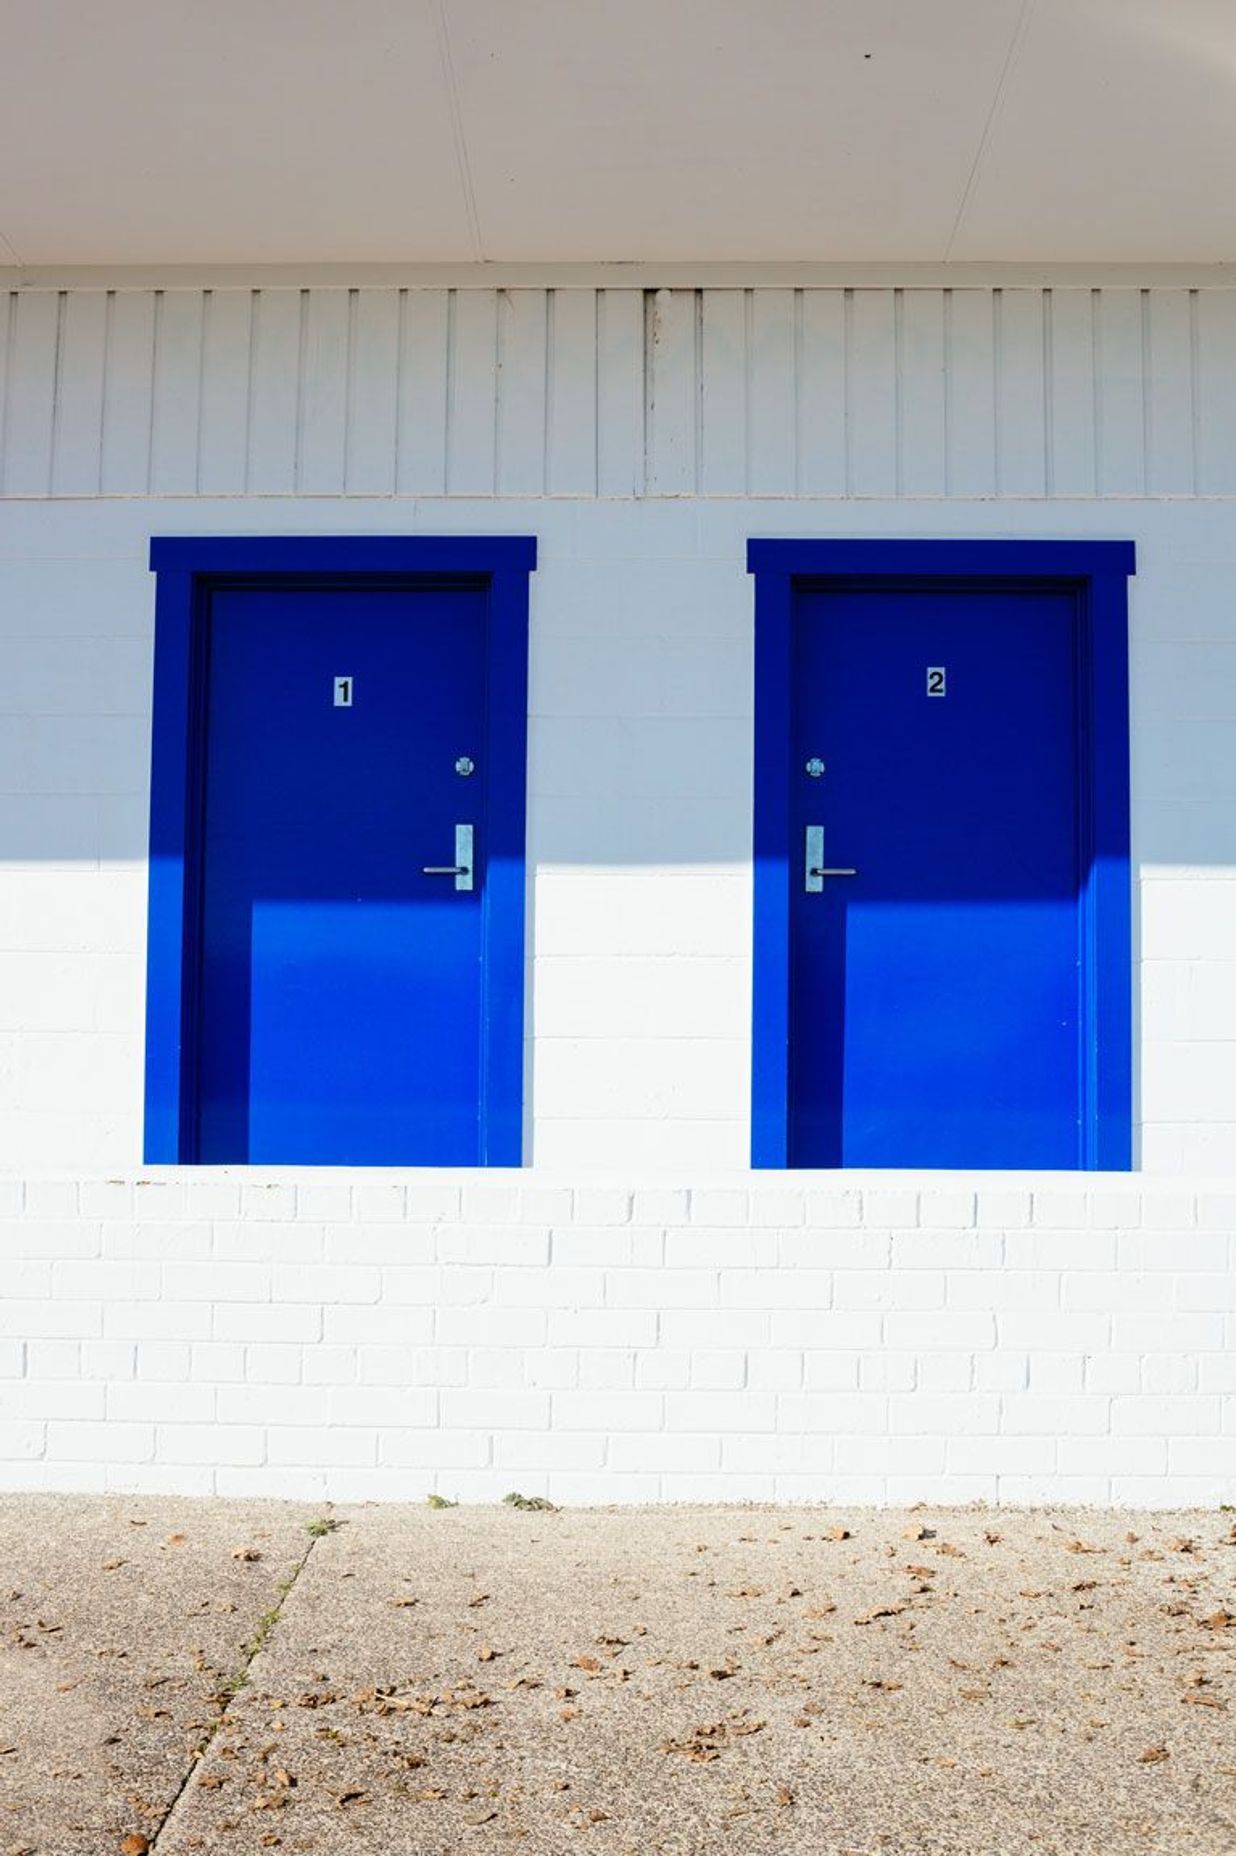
<point x="344" y="850"/>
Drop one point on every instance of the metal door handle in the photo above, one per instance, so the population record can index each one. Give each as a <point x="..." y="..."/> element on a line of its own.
<point x="461" y="869"/>
<point x="815" y="869"/>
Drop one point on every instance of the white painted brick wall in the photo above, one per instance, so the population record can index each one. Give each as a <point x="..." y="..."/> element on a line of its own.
<point x="639" y="972"/>
<point x="689" y="1330"/>
<point x="310" y="1336"/>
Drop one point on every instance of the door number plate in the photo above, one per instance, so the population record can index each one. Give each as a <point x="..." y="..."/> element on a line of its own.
<point x="937" y="680"/>
<point x="343" y="692"/>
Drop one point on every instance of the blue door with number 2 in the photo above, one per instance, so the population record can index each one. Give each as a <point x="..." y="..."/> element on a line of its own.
<point x="942" y="839"/>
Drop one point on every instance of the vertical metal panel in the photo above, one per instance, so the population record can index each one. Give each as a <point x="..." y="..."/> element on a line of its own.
<point x="472" y="407"/>
<point x="921" y="399"/>
<point x="1169" y="351"/>
<point x="275" y="367"/>
<point x="672" y="368"/>
<point x="571" y="412"/>
<point x="772" y="394"/>
<point x="370" y="460"/>
<point x="8" y="313"/>
<point x="77" y="459"/>
<point x="226" y="357"/>
<point x="970" y="361"/>
<point x="522" y="394"/>
<point x="724" y="385"/>
<point x="871" y="395"/>
<point x="177" y="393"/>
<point x="421" y="429"/>
<point x="129" y="393"/>
<point x="31" y="392"/>
<point x="1121" y="394"/>
<point x="1021" y="399"/>
<point x="322" y="449"/>
<point x="1071" y="463"/>
<point x="821" y="394"/>
<point x="1216" y="390"/>
<point x="620" y="392"/>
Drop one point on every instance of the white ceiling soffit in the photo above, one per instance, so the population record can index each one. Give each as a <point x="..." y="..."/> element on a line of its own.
<point x="308" y="132"/>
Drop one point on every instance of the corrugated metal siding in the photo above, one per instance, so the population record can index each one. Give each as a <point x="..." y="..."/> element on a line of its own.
<point x="578" y="392"/>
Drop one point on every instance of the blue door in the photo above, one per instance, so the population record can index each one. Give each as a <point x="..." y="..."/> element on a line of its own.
<point x="343" y="873"/>
<point x="936" y="946"/>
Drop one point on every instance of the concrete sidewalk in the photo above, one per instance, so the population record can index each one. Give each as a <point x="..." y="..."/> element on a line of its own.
<point x="202" y="1676"/>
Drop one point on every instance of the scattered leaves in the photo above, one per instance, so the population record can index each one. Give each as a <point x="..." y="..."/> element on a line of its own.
<point x="704" y="1744"/>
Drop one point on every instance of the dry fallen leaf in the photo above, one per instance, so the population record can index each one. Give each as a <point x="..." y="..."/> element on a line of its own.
<point x="589" y="1664"/>
<point x="1219" y="1620"/>
<point x="1153" y="1755"/>
<point x="135" y="1844"/>
<point x="883" y="1611"/>
<point x="837" y="1533"/>
<point x="485" y="1654"/>
<point x="246" y="1553"/>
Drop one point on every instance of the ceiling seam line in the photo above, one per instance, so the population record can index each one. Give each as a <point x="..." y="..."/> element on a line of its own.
<point x="1010" y="58"/>
<point x="457" y="127"/>
<point x="12" y="251"/>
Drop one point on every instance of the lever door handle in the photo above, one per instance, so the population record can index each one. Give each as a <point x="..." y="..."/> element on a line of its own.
<point x="461" y="869"/>
<point x="814" y="867"/>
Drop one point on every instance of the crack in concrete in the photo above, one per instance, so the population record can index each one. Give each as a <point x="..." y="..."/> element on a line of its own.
<point x="236" y="1684"/>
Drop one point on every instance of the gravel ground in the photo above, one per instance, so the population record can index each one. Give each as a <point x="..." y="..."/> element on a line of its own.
<point x="674" y="1680"/>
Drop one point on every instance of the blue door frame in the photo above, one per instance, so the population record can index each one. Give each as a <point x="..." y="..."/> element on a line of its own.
<point x="189" y="569"/>
<point x="1097" y="573"/>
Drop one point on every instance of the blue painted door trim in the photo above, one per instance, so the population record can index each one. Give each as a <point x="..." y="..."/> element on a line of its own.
<point x="1098" y="571"/>
<point x="188" y="569"/>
